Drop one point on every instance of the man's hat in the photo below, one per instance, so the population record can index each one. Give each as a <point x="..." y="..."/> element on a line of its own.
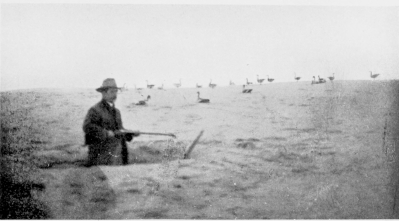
<point x="108" y="83"/>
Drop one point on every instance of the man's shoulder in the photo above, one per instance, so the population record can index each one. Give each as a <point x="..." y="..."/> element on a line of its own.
<point x="97" y="107"/>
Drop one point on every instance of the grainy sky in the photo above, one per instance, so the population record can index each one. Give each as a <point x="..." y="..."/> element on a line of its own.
<point x="79" y="45"/>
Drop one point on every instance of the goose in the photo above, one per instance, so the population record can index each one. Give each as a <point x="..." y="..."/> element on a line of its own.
<point x="270" y="79"/>
<point x="248" y="83"/>
<point x="198" y="86"/>
<point x="314" y="81"/>
<point x="212" y="85"/>
<point x="231" y="83"/>
<point x="124" y="88"/>
<point x="331" y="77"/>
<point x="297" y="78"/>
<point x="144" y="102"/>
<point x="138" y="88"/>
<point x="202" y="100"/>
<point x="321" y="80"/>
<point x="149" y="85"/>
<point x="246" y="91"/>
<point x="178" y="84"/>
<point x="259" y="80"/>
<point x="160" y="88"/>
<point x="373" y="75"/>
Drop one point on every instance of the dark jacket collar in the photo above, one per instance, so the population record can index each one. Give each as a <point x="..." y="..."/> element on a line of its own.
<point x="106" y="105"/>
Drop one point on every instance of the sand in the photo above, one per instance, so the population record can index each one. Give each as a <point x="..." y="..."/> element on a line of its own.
<point x="285" y="151"/>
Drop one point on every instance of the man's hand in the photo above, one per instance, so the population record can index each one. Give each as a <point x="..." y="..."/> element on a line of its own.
<point x="119" y="134"/>
<point x="110" y="133"/>
<point x="134" y="133"/>
<point x="128" y="135"/>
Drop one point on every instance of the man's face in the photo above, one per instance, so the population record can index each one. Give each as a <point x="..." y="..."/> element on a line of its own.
<point x="110" y="95"/>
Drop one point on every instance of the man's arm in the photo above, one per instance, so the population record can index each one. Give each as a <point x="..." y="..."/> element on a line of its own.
<point x="92" y="127"/>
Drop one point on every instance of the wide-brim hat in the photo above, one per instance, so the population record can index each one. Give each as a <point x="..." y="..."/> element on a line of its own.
<point x="108" y="83"/>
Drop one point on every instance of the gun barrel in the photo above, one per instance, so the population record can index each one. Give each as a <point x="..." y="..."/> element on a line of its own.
<point x="126" y="131"/>
<point x="161" y="134"/>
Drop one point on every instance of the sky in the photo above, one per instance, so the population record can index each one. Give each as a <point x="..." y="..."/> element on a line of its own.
<point x="75" y="45"/>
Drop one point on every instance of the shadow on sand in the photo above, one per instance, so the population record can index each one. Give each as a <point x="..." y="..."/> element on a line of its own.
<point x="85" y="193"/>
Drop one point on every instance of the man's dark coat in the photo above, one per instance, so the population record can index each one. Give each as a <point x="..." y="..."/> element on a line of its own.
<point x="103" y="149"/>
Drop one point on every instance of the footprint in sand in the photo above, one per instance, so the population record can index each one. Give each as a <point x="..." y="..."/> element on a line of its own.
<point x="184" y="177"/>
<point x="246" y="143"/>
<point x="155" y="214"/>
<point x="166" y="113"/>
<point x="190" y="118"/>
<point x="133" y="191"/>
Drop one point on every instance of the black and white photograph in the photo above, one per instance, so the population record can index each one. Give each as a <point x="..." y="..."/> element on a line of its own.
<point x="224" y="109"/>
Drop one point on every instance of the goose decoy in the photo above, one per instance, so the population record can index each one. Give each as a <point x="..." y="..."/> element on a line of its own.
<point x="270" y="79"/>
<point x="124" y="88"/>
<point x="321" y="80"/>
<point x="331" y="77"/>
<point x="202" y="100"/>
<point x="138" y="88"/>
<point x="373" y="75"/>
<point x="259" y="80"/>
<point x="297" y="78"/>
<point x="144" y="102"/>
<point x="212" y="85"/>
<point x="246" y="91"/>
<point x="314" y="81"/>
<point x="149" y="86"/>
<point x="178" y="84"/>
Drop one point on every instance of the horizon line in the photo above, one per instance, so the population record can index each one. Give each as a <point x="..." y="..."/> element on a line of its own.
<point x="187" y="87"/>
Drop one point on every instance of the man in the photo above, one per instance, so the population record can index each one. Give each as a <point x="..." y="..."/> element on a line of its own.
<point x="102" y="127"/>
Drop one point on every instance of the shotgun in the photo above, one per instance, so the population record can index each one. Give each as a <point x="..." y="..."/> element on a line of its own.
<point x="133" y="132"/>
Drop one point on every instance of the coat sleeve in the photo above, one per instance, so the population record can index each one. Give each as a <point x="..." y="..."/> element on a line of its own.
<point x="94" y="132"/>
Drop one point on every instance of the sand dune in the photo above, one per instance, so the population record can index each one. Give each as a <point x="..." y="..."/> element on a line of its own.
<point x="288" y="150"/>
